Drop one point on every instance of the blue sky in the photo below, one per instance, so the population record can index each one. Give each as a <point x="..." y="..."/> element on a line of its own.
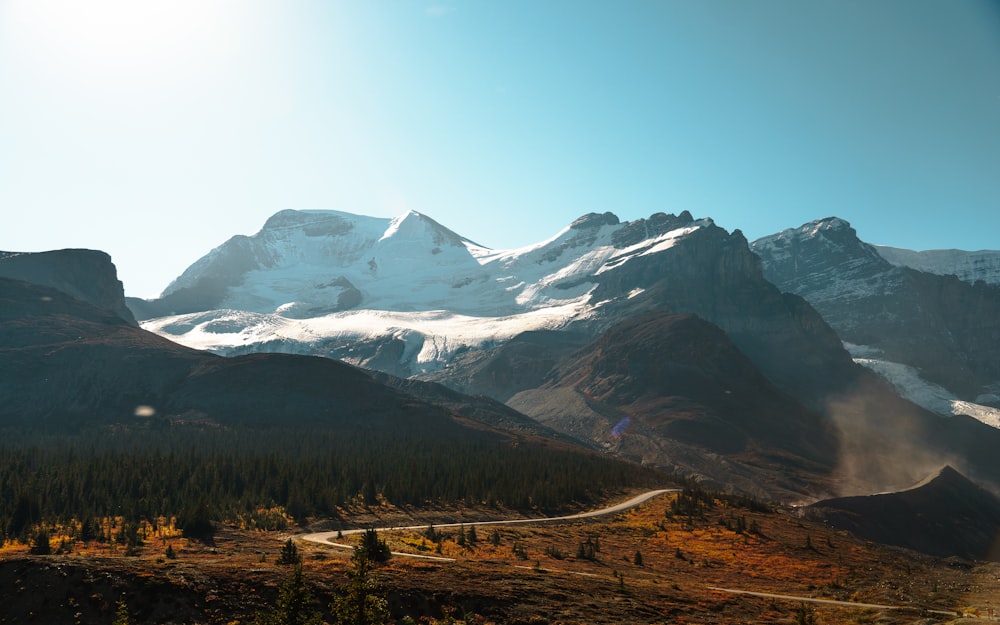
<point x="156" y="130"/>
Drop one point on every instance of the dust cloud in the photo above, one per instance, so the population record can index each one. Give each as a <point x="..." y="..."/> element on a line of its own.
<point x="885" y="443"/>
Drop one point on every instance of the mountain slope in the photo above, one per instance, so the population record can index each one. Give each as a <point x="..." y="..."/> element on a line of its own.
<point x="945" y="328"/>
<point x="674" y="390"/>
<point x="945" y="515"/>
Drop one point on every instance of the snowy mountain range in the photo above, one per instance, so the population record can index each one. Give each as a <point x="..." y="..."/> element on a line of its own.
<point x="314" y="281"/>
<point x="410" y="297"/>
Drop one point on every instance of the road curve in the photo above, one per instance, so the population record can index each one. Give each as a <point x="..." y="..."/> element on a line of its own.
<point x="326" y="538"/>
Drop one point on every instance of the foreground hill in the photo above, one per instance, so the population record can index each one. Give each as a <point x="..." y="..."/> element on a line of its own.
<point x="66" y="360"/>
<point x="945" y="515"/>
<point x="584" y="572"/>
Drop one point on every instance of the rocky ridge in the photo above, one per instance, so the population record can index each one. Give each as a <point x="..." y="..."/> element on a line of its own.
<point x="946" y="329"/>
<point x="967" y="266"/>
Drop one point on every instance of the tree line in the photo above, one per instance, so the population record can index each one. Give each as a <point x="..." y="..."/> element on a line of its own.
<point x="228" y="473"/>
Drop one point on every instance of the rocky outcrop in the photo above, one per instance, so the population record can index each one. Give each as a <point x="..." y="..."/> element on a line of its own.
<point x="87" y="275"/>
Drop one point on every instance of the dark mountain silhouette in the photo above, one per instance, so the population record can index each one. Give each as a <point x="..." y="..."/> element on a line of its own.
<point x="945" y="515"/>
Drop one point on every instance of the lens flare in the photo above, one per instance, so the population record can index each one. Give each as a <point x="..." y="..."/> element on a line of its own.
<point x="621" y="428"/>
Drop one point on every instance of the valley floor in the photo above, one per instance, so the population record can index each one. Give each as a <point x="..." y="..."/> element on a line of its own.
<point x="663" y="561"/>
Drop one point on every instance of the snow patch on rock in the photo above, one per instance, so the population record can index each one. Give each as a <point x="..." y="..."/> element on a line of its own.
<point x="908" y="383"/>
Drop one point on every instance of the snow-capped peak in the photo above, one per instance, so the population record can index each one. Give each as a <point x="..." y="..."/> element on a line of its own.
<point x="329" y="269"/>
<point x="414" y="225"/>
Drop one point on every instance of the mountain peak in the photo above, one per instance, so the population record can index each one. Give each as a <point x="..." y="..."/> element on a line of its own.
<point x="595" y="220"/>
<point x="412" y="224"/>
<point x="831" y="223"/>
<point x="945" y="477"/>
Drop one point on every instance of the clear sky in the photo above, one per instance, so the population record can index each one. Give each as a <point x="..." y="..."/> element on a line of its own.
<point x="155" y="130"/>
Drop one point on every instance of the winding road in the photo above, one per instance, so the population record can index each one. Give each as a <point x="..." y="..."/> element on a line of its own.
<point x="327" y="538"/>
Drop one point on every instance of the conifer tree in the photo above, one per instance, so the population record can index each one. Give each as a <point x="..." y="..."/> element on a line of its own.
<point x="40" y="545"/>
<point x="362" y="600"/>
<point x="121" y="614"/>
<point x="289" y="553"/>
<point x="295" y="604"/>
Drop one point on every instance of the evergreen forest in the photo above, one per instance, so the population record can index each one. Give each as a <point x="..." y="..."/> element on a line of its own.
<point x="199" y="473"/>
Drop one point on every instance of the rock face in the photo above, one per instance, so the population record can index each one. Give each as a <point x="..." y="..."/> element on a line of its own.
<point x="968" y="267"/>
<point x="947" y="329"/>
<point x="945" y="515"/>
<point x="674" y="391"/>
<point x="87" y="275"/>
<point x="714" y="275"/>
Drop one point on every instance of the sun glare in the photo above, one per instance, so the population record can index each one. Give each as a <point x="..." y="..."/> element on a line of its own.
<point x="90" y="40"/>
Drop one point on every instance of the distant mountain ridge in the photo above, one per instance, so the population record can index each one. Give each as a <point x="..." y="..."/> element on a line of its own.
<point x="968" y="266"/>
<point x="946" y="331"/>
<point x="65" y="362"/>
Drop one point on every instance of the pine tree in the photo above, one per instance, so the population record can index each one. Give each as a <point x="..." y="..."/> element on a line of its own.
<point x="289" y="553"/>
<point x="295" y="604"/>
<point x="637" y="560"/>
<point x="374" y="548"/>
<point x="40" y="545"/>
<point x="121" y="614"/>
<point x="362" y="601"/>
